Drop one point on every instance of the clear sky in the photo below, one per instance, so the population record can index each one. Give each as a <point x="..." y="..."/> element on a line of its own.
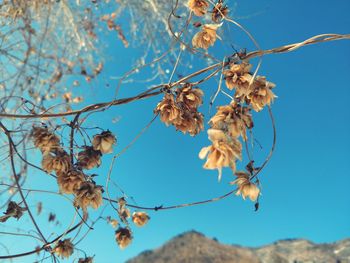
<point x="305" y="187"/>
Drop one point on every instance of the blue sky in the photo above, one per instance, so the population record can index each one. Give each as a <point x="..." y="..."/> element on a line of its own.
<point x="305" y="186"/>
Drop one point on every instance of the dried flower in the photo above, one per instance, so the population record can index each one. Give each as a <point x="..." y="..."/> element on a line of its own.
<point x="44" y="139"/>
<point x="190" y="97"/>
<point x="39" y="208"/>
<point x="89" y="194"/>
<point x="70" y="181"/>
<point x="262" y="94"/>
<point x="64" y="248"/>
<point x="123" y="211"/>
<point x="168" y="110"/>
<point x="222" y="153"/>
<point x="13" y="210"/>
<point x="245" y="187"/>
<point x="198" y="7"/>
<point x="123" y="237"/>
<point x="114" y="223"/>
<point x="238" y="77"/>
<point x="191" y="122"/>
<point x="60" y="163"/>
<point x="89" y="158"/>
<point x="52" y="217"/>
<point x="234" y="119"/>
<point x="104" y="142"/>
<point x="205" y="38"/>
<point x="140" y="218"/>
<point x="86" y="260"/>
<point x="182" y="113"/>
<point x="219" y="10"/>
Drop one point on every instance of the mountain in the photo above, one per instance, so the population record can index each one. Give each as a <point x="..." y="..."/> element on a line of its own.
<point x="194" y="247"/>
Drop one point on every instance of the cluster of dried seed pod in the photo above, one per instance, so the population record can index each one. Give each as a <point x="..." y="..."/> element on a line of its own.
<point x="207" y="36"/>
<point x="227" y="125"/>
<point x="255" y="92"/>
<point x="70" y="176"/>
<point x="232" y="121"/>
<point x="123" y="235"/>
<point x="182" y="111"/>
<point x="72" y="180"/>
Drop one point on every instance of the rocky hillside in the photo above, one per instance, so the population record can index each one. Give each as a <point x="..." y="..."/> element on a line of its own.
<point x="194" y="247"/>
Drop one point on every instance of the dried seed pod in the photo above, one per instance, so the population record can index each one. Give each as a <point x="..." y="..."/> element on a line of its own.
<point x="89" y="158"/>
<point x="89" y="194"/>
<point x="140" y="218"/>
<point x="261" y="94"/>
<point x="245" y="187"/>
<point x="191" y="122"/>
<point x="123" y="211"/>
<point x="70" y="181"/>
<point x="198" y="7"/>
<point x="45" y="140"/>
<point x="219" y="12"/>
<point x="206" y="37"/>
<point x="238" y="77"/>
<point x="114" y="223"/>
<point x="13" y="210"/>
<point x="123" y="237"/>
<point x="222" y="153"/>
<point x="233" y="119"/>
<point x="86" y="260"/>
<point x="190" y="97"/>
<point x="104" y="142"/>
<point x="64" y="248"/>
<point x="60" y="162"/>
<point x="168" y="110"/>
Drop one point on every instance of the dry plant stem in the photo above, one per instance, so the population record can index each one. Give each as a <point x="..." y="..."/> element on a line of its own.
<point x="148" y="93"/>
<point x="177" y="37"/>
<point x="89" y="229"/>
<point x="219" y="86"/>
<point x="44" y="247"/>
<point x="120" y="153"/>
<point x="17" y="181"/>
<point x="272" y="147"/>
<point x="161" y="207"/>
<point x="249" y="35"/>
<point x="20" y="234"/>
<point x="72" y="126"/>
<point x="291" y="47"/>
<point x="161" y="56"/>
<point x="175" y="67"/>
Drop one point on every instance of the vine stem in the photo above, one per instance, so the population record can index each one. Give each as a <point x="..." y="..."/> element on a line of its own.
<point x="11" y="152"/>
<point x="283" y="49"/>
<point x="161" y="207"/>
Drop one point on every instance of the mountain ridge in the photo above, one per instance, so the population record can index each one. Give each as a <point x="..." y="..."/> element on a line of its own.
<point x="194" y="247"/>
